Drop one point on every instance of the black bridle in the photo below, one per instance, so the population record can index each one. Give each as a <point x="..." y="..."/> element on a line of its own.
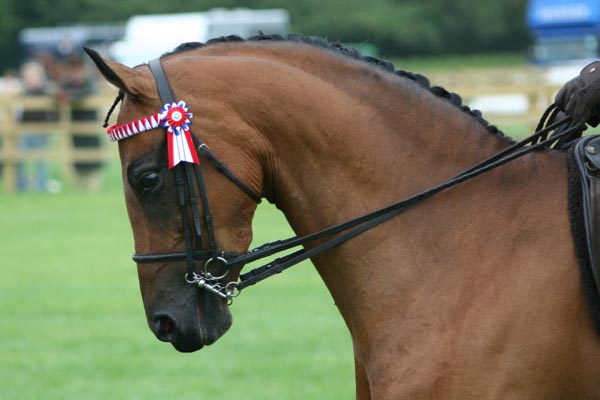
<point x="188" y="177"/>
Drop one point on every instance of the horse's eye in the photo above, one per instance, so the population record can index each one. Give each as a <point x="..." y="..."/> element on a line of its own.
<point x="149" y="180"/>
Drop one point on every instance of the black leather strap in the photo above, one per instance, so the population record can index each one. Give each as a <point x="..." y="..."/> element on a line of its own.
<point x="588" y="163"/>
<point x="162" y="83"/>
<point x="222" y="168"/>
<point x="185" y="182"/>
<point x="186" y="177"/>
<point x="361" y="224"/>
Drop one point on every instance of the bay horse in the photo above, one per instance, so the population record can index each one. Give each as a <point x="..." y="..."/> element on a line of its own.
<point x="475" y="293"/>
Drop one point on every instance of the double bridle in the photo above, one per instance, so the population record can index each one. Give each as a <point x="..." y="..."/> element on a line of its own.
<point x="188" y="178"/>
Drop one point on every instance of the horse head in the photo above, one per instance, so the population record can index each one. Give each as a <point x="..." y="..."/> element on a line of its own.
<point x="176" y="311"/>
<point x="282" y="119"/>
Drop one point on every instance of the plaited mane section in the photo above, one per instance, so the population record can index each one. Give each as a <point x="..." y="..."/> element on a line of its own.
<point x="353" y="54"/>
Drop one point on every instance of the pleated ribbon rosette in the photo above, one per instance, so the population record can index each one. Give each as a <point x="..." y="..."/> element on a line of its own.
<point x="176" y="119"/>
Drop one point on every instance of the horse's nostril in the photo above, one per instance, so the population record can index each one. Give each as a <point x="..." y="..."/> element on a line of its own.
<point x="164" y="328"/>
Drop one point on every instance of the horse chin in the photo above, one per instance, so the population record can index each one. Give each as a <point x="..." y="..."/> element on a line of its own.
<point x="198" y="325"/>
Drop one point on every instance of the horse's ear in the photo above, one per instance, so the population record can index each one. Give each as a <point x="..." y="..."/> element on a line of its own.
<point x="114" y="72"/>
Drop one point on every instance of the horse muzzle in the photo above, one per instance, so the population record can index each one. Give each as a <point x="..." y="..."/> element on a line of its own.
<point x="194" y="323"/>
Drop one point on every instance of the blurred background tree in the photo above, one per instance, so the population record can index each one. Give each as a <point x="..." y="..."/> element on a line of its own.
<point x="396" y="27"/>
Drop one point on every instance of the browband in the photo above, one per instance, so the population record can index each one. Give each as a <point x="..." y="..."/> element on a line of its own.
<point x="123" y="131"/>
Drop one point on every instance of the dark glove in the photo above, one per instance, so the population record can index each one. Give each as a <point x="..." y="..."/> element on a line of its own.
<point x="580" y="97"/>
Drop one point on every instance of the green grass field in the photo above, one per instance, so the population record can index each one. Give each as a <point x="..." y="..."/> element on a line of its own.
<point x="73" y="325"/>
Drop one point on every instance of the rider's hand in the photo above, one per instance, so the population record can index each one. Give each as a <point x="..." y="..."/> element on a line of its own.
<point x="580" y="97"/>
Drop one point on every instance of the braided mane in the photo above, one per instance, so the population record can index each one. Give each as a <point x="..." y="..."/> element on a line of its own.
<point x="356" y="55"/>
<point x="346" y="51"/>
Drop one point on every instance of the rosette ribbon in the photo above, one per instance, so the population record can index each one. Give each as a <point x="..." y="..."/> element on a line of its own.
<point x="177" y="120"/>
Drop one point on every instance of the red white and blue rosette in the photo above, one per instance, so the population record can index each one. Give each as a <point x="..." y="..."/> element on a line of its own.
<point x="177" y="120"/>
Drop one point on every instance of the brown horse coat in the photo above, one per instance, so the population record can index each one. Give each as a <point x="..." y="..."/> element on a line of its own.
<point x="474" y="294"/>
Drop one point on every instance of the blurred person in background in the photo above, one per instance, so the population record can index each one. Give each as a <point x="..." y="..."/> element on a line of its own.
<point x="10" y="84"/>
<point x="75" y="83"/>
<point x="35" y="82"/>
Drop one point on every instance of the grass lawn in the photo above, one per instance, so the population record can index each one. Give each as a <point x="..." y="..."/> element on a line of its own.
<point x="74" y="327"/>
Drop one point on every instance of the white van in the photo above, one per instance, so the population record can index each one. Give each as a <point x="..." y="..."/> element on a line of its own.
<point x="149" y="36"/>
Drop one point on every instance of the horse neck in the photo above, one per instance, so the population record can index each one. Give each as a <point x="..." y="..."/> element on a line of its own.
<point x="349" y="146"/>
<point x="337" y="149"/>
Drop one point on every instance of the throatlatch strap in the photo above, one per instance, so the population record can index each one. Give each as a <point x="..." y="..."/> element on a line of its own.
<point x="222" y="168"/>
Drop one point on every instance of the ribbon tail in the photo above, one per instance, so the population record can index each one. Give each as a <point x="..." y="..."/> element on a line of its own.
<point x="191" y="147"/>
<point x="181" y="147"/>
<point x="170" y="149"/>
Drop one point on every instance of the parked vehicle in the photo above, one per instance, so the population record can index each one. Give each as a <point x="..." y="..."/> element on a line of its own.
<point x="143" y="40"/>
<point x="64" y="41"/>
<point x="566" y="36"/>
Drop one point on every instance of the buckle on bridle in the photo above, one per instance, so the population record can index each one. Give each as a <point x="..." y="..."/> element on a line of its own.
<point x="222" y="260"/>
<point x="206" y="280"/>
<point x="213" y="285"/>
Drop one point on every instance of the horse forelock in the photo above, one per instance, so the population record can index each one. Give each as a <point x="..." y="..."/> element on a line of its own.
<point x="353" y="54"/>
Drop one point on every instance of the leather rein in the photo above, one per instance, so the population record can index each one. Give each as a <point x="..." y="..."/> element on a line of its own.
<point x="188" y="177"/>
